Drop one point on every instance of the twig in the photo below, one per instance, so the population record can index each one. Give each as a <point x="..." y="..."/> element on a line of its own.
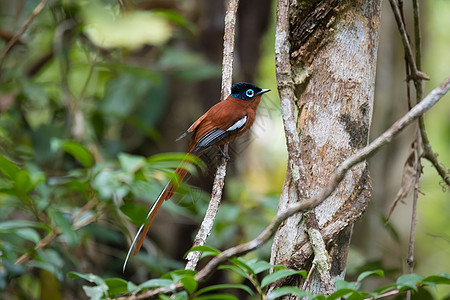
<point x="428" y="152"/>
<point x="407" y="67"/>
<point x="208" y="220"/>
<point x="432" y="157"/>
<point x="307" y="280"/>
<point x="418" y="83"/>
<point x="386" y="294"/>
<point x="57" y="231"/>
<point x="415" y="73"/>
<point x="228" y="47"/>
<point x="42" y="244"/>
<point x="17" y="36"/>
<point x="431" y="99"/>
<point x="410" y="259"/>
<point x="216" y="195"/>
<point x="286" y="91"/>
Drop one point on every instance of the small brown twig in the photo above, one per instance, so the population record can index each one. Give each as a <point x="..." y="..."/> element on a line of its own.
<point x="410" y="259"/>
<point x="219" y="180"/>
<point x="431" y="99"/>
<point x="17" y="36"/>
<point x="42" y="244"/>
<point x="432" y="158"/>
<point x="418" y="83"/>
<point x="415" y="73"/>
<point x="428" y="152"/>
<point x="57" y="231"/>
<point x="407" y="67"/>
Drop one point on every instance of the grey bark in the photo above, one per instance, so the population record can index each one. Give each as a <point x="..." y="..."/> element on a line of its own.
<point x="333" y="50"/>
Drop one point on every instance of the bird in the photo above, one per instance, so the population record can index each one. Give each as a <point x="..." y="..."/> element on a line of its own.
<point x="222" y="123"/>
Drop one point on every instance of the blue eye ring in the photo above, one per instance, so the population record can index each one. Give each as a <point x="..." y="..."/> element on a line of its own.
<point x="250" y="93"/>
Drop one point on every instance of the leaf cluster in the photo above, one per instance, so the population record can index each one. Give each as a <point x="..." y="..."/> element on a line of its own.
<point x="183" y="284"/>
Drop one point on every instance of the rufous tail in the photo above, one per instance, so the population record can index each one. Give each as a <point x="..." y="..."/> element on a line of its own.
<point x="167" y="193"/>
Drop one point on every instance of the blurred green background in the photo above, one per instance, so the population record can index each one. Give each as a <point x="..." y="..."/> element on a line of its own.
<point x="92" y="98"/>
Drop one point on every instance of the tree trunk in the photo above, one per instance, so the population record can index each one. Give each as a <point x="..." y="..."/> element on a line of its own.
<point x="333" y="49"/>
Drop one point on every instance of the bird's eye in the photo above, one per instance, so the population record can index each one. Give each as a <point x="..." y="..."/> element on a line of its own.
<point x="249" y="93"/>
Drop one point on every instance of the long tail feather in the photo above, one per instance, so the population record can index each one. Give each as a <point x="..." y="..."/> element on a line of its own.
<point x="142" y="232"/>
<point x="167" y="193"/>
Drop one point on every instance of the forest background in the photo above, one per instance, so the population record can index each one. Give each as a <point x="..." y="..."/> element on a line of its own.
<point x="89" y="116"/>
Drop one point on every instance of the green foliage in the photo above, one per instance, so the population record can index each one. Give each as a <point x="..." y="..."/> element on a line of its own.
<point x="86" y="86"/>
<point x="183" y="285"/>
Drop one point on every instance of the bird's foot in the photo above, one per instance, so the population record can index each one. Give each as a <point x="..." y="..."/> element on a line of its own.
<point x="223" y="153"/>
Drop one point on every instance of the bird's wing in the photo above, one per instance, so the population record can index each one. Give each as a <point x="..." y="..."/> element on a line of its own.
<point x="209" y="134"/>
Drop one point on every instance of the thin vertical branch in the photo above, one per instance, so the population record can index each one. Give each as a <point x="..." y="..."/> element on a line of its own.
<point x="219" y="180"/>
<point x="410" y="259"/>
<point x="415" y="73"/>
<point x="286" y="90"/>
<point x="228" y="48"/>
<point x="17" y="36"/>
<point x="428" y="152"/>
<point x="407" y="66"/>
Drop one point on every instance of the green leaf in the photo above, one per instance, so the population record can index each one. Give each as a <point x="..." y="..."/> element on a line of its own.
<point x="342" y="284"/>
<point x="235" y="269"/>
<point x="287" y="290"/>
<point x="177" y="274"/>
<point x="216" y="296"/>
<point x="442" y="278"/>
<point x="116" y="286"/>
<point x="8" y="226"/>
<point x="355" y="295"/>
<point x="206" y="251"/>
<point x="178" y="157"/>
<point x="178" y="296"/>
<point x="280" y="274"/>
<point x="8" y="168"/>
<point x="49" y="260"/>
<point x="409" y="281"/>
<point x="89" y="277"/>
<point x="94" y="292"/>
<point x="152" y="283"/>
<point x="242" y="263"/>
<point x="225" y="286"/>
<point x="22" y="182"/>
<point x="64" y="223"/>
<point x="386" y="288"/>
<point x="28" y="234"/>
<point x="131" y="163"/>
<point x="189" y="283"/>
<point x="366" y="274"/>
<point x="77" y="150"/>
<point x="261" y="266"/>
<point x="131" y="287"/>
<point x="340" y="293"/>
<point x="137" y="213"/>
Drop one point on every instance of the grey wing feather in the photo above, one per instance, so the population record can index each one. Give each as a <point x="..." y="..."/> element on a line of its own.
<point x="211" y="138"/>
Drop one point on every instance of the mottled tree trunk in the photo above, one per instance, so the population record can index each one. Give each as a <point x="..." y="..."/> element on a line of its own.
<point x="333" y="49"/>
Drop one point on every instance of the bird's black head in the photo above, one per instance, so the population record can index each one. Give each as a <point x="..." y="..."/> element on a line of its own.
<point x="246" y="91"/>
